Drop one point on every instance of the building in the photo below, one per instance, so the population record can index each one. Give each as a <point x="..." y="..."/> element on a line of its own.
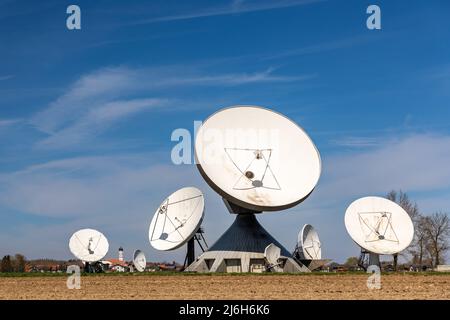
<point x="121" y="254"/>
<point x="118" y="265"/>
<point x="443" y="268"/>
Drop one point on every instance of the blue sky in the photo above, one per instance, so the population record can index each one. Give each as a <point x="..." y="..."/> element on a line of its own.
<point x="86" y="116"/>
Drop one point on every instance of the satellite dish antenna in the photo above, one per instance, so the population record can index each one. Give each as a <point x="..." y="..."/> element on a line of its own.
<point x="272" y="253"/>
<point x="256" y="158"/>
<point x="139" y="260"/>
<point x="309" y="248"/>
<point x="88" y="245"/>
<point x="309" y="243"/>
<point x="177" y="219"/>
<point x="379" y="226"/>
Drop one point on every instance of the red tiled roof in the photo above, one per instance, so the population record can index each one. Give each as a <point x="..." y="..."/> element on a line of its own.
<point x="116" y="262"/>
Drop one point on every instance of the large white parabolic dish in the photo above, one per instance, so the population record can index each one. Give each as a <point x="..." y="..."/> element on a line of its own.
<point x="177" y="219"/>
<point x="88" y="245"/>
<point x="257" y="158"/>
<point x="309" y="242"/>
<point x="379" y="225"/>
<point x="139" y="260"/>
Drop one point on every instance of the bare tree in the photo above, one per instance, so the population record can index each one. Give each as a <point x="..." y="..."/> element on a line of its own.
<point x="402" y="199"/>
<point x="19" y="263"/>
<point x="5" y="265"/>
<point x="351" y="262"/>
<point x="420" y="246"/>
<point x="437" y="230"/>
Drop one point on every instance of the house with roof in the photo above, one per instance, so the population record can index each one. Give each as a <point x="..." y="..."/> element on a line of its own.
<point x="117" y="265"/>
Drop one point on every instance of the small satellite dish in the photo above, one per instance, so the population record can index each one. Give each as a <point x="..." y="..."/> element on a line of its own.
<point x="379" y="225"/>
<point x="272" y="253"/>
<point x="257" y="158"/>
<point x="308" y="241"/>
<point x="139" y="260"/>
<point x="177" y="219"/>
<point x="88" y="245"/>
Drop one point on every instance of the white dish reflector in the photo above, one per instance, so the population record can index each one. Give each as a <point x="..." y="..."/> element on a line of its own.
<point x="272" y="253"/>
<point x="257" y="158"/>
<point x="309" y="243"/>
<point x="177" y="219"/>
<point x="379" y="225"/>
<point x="88" y="245"/>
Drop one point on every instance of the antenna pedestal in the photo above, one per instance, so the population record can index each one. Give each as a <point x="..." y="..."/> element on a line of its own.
<point x="368" y="258"/>
<point x="190" y="252"/>
<point x="241" y="249"/>
<point x="190" y="256"/>
<point x="93" y="267"/>
<point x="374" y="259"/>
<point x="236" y="209"/>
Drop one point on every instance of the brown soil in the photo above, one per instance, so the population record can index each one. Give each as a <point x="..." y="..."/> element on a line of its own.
<point x="342" y="286"/>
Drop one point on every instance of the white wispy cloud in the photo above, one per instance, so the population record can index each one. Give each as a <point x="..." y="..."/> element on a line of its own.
<point x="416" y="163"/>
<point x="9" y="122"/>
<point x="234" y="8"/>
<point x="356" y="142"/>
<point x="97" y="120"/>
<point x="438" y="73"/>
<point x="321" y="47"/>
<point x="98" y="100"/>
<point x="230" y="79"/>
<point x="95" y="88"/>
<point x="236" y="4"/>
<point x="6" y="77"/>
<point x="82" y="186"/>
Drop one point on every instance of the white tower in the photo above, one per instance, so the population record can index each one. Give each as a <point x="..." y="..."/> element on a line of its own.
<point x="120" y="254"/>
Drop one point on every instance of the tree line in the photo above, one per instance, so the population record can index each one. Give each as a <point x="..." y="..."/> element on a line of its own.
<point x="14" y="263"/>
<point x="431" y="232"/>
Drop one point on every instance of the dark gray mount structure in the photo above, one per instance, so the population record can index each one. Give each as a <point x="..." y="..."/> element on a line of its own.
<point x="241" y="248"/>
<point x="246" y="234"/>
<point x="190" y="252"/>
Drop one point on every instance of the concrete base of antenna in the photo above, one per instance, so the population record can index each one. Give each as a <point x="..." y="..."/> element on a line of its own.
<point x="241" y="249"/>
